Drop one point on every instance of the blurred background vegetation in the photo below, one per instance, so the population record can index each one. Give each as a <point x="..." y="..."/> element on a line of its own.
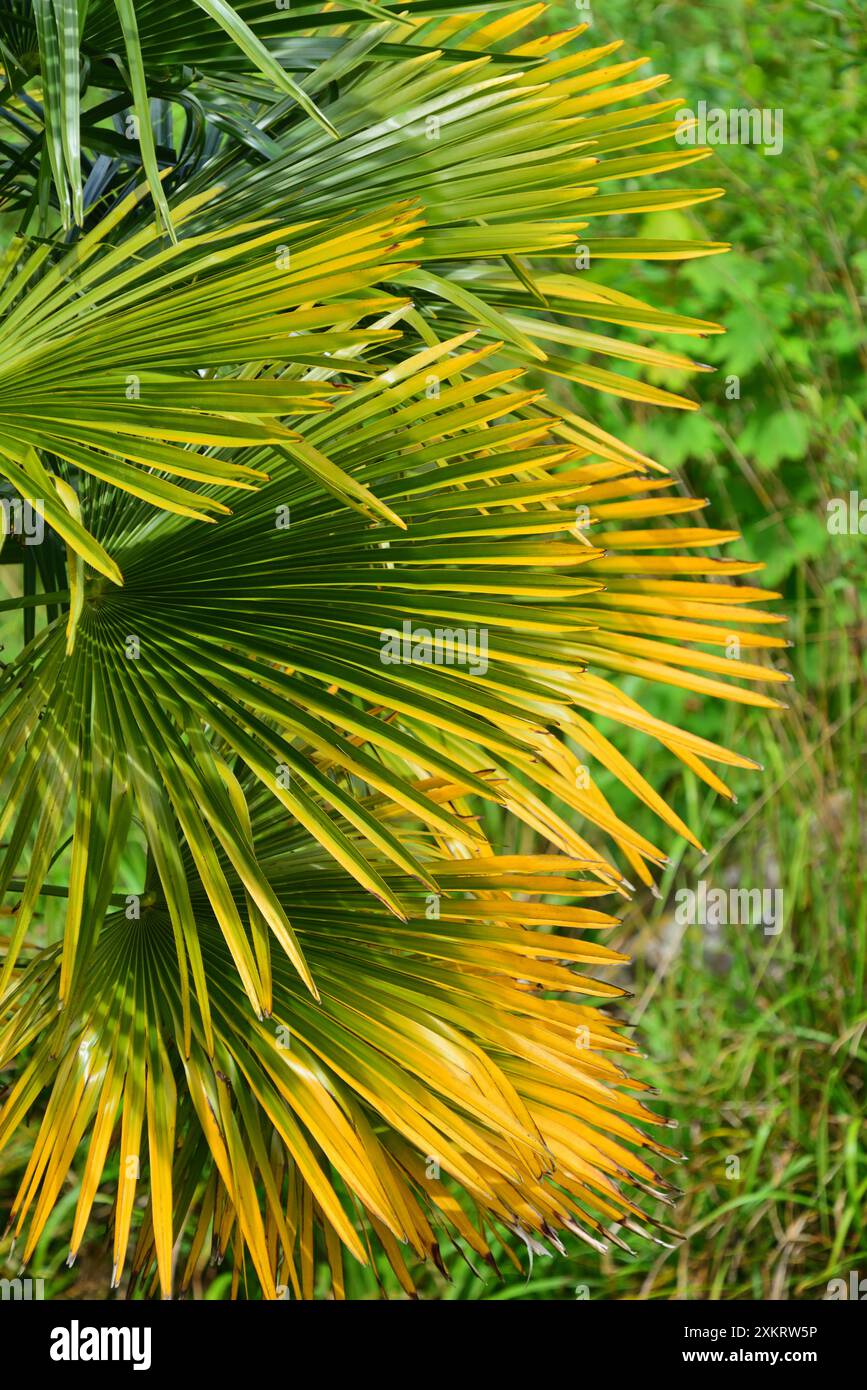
<point x="756" y="1043"/>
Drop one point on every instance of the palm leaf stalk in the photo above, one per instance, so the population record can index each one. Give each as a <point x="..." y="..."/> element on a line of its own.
<point x="330" y="1018"/>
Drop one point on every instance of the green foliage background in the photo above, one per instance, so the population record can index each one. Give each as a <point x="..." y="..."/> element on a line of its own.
<point x="757" y="1043"/>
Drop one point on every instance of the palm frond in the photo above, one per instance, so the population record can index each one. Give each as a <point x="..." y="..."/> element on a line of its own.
<point x="362" y="341"/>
<point x="430" y="1058"/>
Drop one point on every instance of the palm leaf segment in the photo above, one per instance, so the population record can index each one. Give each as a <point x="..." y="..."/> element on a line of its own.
<point x="346" y="393"/>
